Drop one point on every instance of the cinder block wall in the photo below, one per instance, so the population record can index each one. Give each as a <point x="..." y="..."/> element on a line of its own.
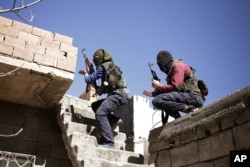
<point x="45" y="61"/>
<point x="204" y="138"/>
<point x="37" y="45"/>
<point x="39" y="134"/>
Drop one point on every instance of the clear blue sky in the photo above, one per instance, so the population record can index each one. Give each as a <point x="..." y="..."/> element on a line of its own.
<point x="213" y="36"/>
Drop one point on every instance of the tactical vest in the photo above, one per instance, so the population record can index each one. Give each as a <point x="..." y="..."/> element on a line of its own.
<point x="190" y="83"/>
<point x="112" y="80"/>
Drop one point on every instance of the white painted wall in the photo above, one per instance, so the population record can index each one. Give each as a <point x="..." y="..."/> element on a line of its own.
<point x="145" y="119"/>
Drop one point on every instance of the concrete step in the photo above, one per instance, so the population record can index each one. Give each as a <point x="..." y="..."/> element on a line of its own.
<point x="79" y="139"/>
<point x="109" y="154"/>
<point x="68" y="100"/>
<point x="87" y="129"/>
<point x="97" y="162"/>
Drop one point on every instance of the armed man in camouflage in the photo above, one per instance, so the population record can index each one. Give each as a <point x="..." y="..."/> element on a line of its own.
<point x="181" y="93"/>
<point x="112" y="84"/>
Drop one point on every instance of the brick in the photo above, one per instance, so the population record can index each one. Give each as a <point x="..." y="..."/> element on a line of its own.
<point x="8" y="31"/>
<point x="54" y="53"/>
<point x="222" y="162"/>
<point x="241" y="135"/>
<point x="63" y="38"/>
<point x="31" y="47"/>
<point x="243" y="117"/>
<point x="188" y="135"/>
<point x="68" y="48"/>
<point x="66" y="65"/>
<point x="8" y="50"/>
<point x="202" y="164"/>
<point x="44" y="59"/>
<point x="47" y="42"/>
<point x="29" y="134"/>
<point x="181" y="157"/>
<point x="1" y="38"/>
<point x="58" y="152"/>
<point x="42" y="33"/>
<point x="71" y="58"/>
<point x="23" y="54"/>
<point x="50" y="138"/>
<point x="29" y="37"/>
<point x="5" y="21"/>
<point x="216" y="146"/>
<point x="164" y="158"/>
<point x="14" y="42"/>
<point x="22" y="27"/>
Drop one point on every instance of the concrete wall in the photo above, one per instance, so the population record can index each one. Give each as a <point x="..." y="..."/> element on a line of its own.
<point x="39" y="134"/>
<point x="139" y="118"/>
<point x="204" y="138"/>
<point x="36" y="66"/>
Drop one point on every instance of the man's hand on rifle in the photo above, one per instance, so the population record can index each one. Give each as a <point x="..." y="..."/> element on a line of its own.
<point x="157" y="85"/>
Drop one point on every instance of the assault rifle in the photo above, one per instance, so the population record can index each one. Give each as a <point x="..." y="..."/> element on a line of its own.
<point x="155" y="77"/>
<point x="164" y="115"/>
<point x="87" y="95"/>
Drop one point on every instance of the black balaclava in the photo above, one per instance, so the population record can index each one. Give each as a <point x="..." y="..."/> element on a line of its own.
<point x="164" y="61"/>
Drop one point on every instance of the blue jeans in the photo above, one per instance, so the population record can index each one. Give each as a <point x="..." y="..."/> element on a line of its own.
<point x="102" y="109"/>
<point x="176" y="101"/>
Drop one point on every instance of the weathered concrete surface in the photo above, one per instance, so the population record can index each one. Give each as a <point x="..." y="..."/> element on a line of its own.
<point x="204" y="137"/>
<point x="81" y="136"/>
<point x="36" y="66"/>
<point x="32" y="131"/>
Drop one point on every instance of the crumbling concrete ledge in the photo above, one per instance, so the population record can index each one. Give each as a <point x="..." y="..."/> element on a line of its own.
<point x="206" y="136"/>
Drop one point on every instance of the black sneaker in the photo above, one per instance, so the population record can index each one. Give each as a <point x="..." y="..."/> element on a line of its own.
<point x="117" y="123"/>
<point x="114" y="121"/>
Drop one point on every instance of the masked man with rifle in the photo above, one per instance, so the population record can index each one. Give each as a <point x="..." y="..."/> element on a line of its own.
<point x="181" y="93"/>
<point x="112" y="84"/>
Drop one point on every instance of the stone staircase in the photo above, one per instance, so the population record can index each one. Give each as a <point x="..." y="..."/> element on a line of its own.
<point x="80" y="135"/>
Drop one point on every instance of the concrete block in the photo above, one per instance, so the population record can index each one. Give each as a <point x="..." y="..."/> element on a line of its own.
<point x="1" y="38"/>
<point x="54" y="53"/>
<point x="48" y="42"/>
<point x="224" y="161"/>
<point x="216" y="146"/>
<point x="14" y="42"/>
<point x="58" y="152"/>
<point x="188" y="135"/>
<point x="44" y="59"/>
<point x="66" y="65"/>
<point x="29" y="37"/>
<point x="23" y="54"/>
<point x="5" y="49"/>
<point x="202" y="164"/>
<point x="29" y="134"/>
<point x="163" y="158"/>
<point x="7" y="31"/>
<point x="42" y="33"/>
<point x="68" y="48"/>
<point x="181" y="157"/>
<point x="159" y="145"/>
<point x="243" y="116"/>
<point x="22" y="27"/>
<point x="5" y="21"/>
<point x="50" y="137"/>
<point x="63" y="38"/>
<point x="241" y="135"/>
<point x="38" y="49"/>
